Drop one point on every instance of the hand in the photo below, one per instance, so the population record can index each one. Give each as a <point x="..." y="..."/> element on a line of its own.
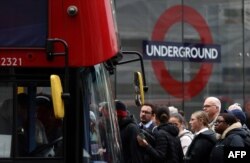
<point x="101" y="151"/>
<point x="142" y="142"/>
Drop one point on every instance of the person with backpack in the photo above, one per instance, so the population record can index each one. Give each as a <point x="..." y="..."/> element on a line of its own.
<point x="167" y="147"/>
<point x="204" y="139"/>
<point x="232" y="135"/>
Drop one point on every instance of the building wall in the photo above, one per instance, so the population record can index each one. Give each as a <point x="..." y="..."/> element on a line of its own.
<point x="227" y="21"/>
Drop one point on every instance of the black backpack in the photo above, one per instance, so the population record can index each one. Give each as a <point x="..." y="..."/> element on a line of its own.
<point x="175" y="152"/>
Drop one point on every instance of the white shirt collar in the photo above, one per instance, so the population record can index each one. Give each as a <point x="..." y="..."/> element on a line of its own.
<point x="147" y="124"/>
<point x="202" y="130"/>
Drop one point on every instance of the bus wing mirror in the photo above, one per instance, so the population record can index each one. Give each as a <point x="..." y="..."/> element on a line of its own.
<point x="145" y="87"/>
<point x="139" y="89"/>
<point x="56" y="93"/>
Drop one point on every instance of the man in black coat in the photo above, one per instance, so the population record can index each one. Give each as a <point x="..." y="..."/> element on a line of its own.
<point x="132" y="152"/>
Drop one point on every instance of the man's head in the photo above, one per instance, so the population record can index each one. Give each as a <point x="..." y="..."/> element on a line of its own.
<point x="147" y="113"/>
<point x="235" y="106"/>
<point x="173" y="110"/>
<point x="121" y="109"/>
<point x="45" y="112"/>
<point x="239" y="114"/>
<point x="212" y="107"/>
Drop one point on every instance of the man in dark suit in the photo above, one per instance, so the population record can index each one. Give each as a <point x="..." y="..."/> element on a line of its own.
<point x="147" y="115"/>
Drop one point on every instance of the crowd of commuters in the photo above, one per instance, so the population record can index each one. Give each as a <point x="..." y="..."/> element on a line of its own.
<point x="161" y="134"/>
<point x="201" y="139"/>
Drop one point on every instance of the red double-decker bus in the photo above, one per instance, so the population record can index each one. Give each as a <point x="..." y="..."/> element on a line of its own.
<point x="44" y="43"/>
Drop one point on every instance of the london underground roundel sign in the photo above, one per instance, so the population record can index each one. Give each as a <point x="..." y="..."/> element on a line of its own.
<point x="191" y="88"/>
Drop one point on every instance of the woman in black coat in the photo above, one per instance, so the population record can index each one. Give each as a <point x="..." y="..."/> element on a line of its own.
<point x="232" y="135"/>
<point x="167" y="147"/>
<point x="204" y="139"/>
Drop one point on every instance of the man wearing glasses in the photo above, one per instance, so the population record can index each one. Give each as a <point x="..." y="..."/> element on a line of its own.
<point x="212" y="107"/>
<point x="147" y="115"/>
<point x="147" y="124"/>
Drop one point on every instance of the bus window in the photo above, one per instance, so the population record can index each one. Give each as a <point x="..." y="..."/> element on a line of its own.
<point x="25" y="23"/>
<point x="52" y="125"/>
<point x="6" y="120"/>
<point x="30" y="130"/>
<point x="38" y="132"/>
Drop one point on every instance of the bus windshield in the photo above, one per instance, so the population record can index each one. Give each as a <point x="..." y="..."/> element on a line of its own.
<point x="100" y="122"/>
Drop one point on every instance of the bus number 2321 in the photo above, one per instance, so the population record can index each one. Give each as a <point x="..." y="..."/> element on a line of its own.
<point x="9" y="61"/>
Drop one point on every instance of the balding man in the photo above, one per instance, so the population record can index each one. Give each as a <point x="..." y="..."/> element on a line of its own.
<point x="212" y="107"/>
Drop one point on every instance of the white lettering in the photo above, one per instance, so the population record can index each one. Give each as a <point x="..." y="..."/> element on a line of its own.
<point x="149" y="53"/>
<point x="181" y="52"/>
<point x="188" y="53"/>
<point x="176" y="52"/>
<point x="231" y="154"/>
<point x="157" y="50"/>
<point x="206" y="53"/>
<point x="10" y="61"/>
<point x="170" y="51"/>
<point x="214" y="53"/>
<point x="164" y="51"/>
<point x="194" y="53"/>
<point x="235" y="154"/>
<point x="243" y="153"/>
